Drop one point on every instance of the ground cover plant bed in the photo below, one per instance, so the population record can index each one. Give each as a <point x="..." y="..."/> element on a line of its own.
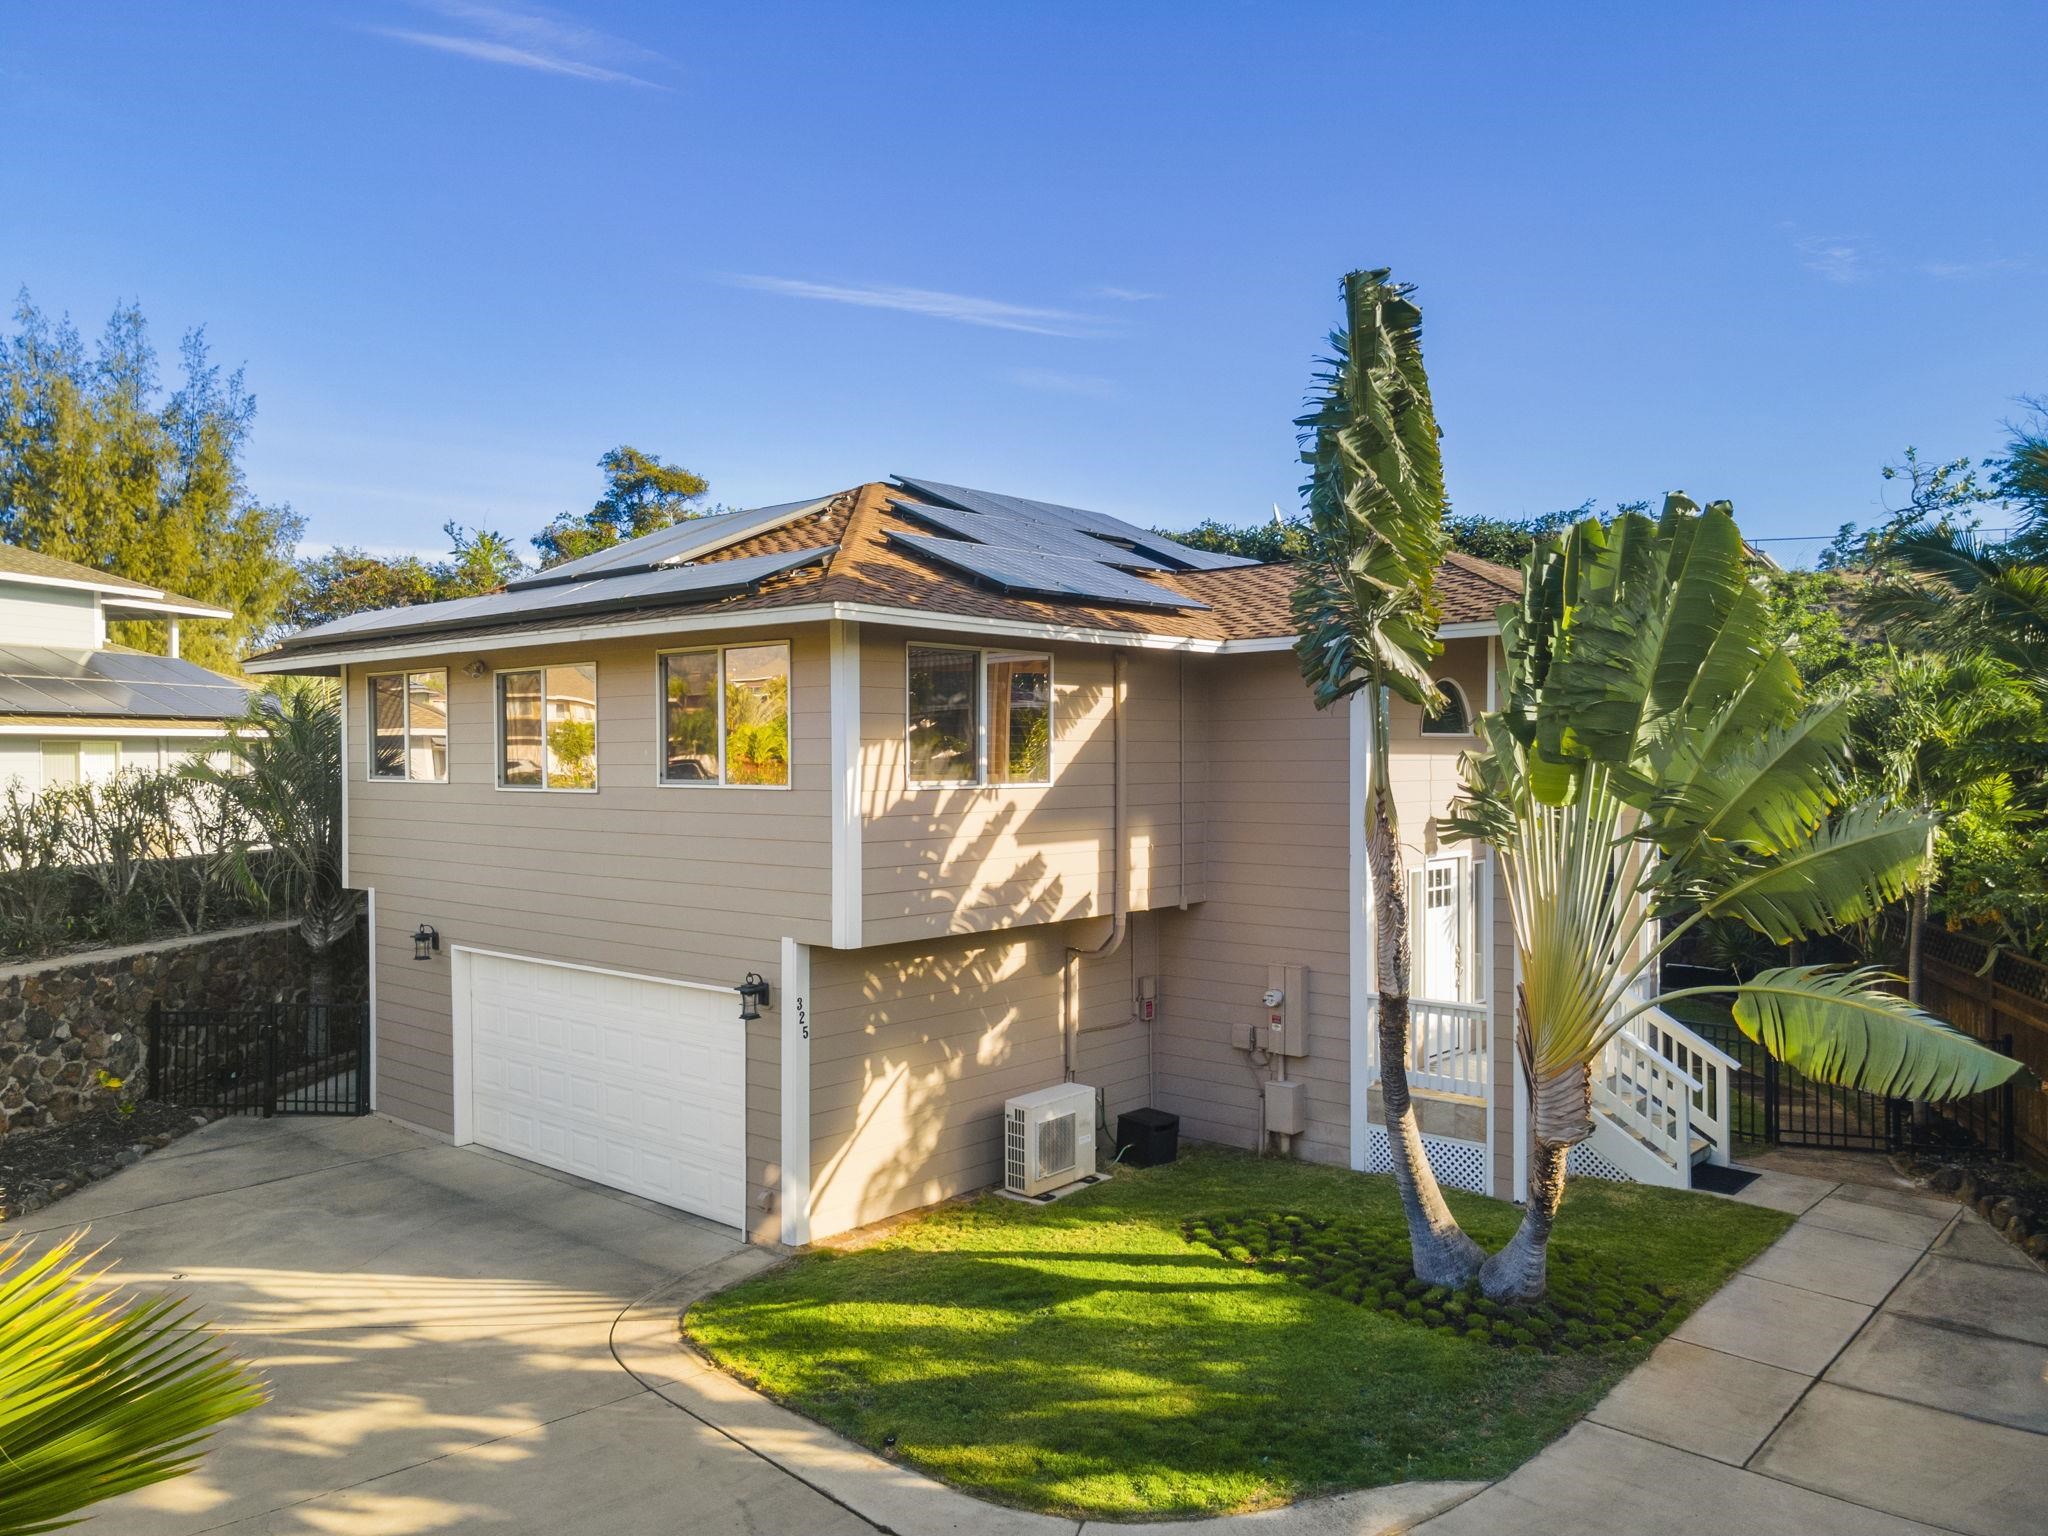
<point x="1594" y="1301"/>
<point x="38" y="1167"/>
<point x="1087" y="1359"/>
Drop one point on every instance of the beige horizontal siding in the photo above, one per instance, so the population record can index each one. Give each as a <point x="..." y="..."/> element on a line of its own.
<point x="692" y="882"/>
<point x="915" y="1048"/>
<point x="973" y="859"/>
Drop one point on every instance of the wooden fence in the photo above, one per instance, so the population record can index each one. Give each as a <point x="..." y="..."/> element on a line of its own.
<point x="1989" y="994"/>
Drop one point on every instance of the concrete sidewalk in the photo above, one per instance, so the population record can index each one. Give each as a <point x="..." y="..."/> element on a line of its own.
<point x="1881" y="1369"/>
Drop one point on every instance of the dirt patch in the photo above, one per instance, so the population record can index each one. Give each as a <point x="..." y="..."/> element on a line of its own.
<point x="38" y="1167"/>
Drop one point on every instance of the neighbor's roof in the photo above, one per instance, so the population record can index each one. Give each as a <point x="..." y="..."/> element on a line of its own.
<point x="115" y="591"/>
<point x="913" y="551"/>
<point x="113" y="686"/>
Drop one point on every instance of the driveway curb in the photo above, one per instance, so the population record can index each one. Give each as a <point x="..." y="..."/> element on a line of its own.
<point x="649" y="1343"/>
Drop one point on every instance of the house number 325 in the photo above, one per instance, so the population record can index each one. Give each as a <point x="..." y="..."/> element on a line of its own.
<point x="803" y="1020"/>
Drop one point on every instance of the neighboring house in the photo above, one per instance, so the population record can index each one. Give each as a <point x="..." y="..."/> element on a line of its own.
<point x="73" y="706"/>
<point x="907" y="752"/>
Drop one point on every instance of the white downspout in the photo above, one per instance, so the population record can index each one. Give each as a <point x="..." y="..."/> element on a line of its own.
<point x="1120" y="916"/>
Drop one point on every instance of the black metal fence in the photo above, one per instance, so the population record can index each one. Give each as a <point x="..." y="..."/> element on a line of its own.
<point x="1777" y="1105"/>
<point x="270" y="1059"/>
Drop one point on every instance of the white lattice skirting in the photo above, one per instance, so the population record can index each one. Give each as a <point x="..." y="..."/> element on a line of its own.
<point x="1460" y="1164"/>
<point x="1583" y="1162"/>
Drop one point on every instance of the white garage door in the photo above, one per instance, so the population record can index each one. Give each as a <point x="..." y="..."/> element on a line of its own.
<point x="633" y="1083"/>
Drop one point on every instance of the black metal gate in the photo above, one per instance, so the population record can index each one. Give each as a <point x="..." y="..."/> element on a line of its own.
<point x="1780" y="1106"/>
<point x="270" y="1059"/>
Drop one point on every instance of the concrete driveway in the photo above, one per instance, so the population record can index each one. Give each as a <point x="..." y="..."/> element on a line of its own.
<point x="436" y="1326"/>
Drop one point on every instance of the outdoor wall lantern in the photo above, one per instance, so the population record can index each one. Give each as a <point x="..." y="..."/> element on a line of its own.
<point x="426" y="942"/>
<point x="753" y="997"/>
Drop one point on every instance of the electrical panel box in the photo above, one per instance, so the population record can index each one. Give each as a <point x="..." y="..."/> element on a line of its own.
<point x="1286" y="1010"/>
<point x="1286" y="1107"/>
<point x="1147" y="1001"/>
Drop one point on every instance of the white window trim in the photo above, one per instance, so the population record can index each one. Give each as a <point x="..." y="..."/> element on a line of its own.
<point x="661" y="778"/>
<point x="498" y="730"/>
<point x="981" y="779"/>
<point x="1452" y="685"/>
<point x="405" y="753"/>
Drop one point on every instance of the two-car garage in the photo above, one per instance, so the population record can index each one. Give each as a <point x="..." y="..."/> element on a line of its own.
<point x="629" y="1081"/>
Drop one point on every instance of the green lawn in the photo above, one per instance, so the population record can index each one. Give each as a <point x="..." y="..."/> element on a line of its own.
<point x="1084" y="1358"/>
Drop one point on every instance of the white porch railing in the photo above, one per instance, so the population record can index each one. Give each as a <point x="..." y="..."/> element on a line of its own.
<point x="1450" y="1048"/>
<point x="1665" y="1086"/>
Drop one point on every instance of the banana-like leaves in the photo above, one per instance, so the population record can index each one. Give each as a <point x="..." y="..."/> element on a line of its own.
<point x="1850" y="869"/>
<point x="97" y="1396"/>
<point x="1365" y="607"/>
<point x="1845" y="1028"/>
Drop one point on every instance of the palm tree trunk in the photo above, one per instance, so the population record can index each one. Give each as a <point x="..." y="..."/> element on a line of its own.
<point x="1441" y="1252"/>
<point x="1561" y="1112"/>
<point x="1917" y="919"/>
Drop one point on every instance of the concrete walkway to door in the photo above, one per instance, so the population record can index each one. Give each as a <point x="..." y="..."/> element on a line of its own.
<point x="435" y="1323"/>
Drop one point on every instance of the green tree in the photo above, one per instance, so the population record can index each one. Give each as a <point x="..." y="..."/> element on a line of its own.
<point x="98" y="1396"/>
<point x="282" y="768"/>
<point x="641" y="495"/>
<point x="100" y="466"/>
<point x="1366" y="611"/>
<point x="1657" y="757"/>
<point x="348" y="579"/>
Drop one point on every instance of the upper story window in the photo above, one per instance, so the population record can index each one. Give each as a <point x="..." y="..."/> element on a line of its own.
<point x="979" y="717"/>
<point x="409" y="726"/>
<point x="547" y="727"/>
<point x="726" y="716"/>
<point x="1455" y="719"/>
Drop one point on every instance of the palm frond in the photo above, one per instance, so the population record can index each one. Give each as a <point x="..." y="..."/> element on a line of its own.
<point x="1366" y="607"/>
<point x="98" y="1396"/>
<point x="1846" y="1028"/>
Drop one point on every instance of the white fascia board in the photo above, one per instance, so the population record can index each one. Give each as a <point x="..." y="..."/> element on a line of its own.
<point x="135" y="602"/>
<point x="803" y="613"/>
<point x="79" y="584"/>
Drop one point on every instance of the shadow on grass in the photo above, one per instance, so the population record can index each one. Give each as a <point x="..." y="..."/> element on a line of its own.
<point x="1083" y="1359"/>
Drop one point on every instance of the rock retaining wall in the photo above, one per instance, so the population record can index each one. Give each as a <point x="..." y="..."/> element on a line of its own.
<point x="66" y="1019"/>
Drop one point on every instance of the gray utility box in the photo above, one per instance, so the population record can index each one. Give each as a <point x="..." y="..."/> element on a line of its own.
<point x="1286" y="1107"/>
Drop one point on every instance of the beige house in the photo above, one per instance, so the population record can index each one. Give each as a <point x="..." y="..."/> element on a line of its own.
<point x="74" y="706"/>
<point x="992" y="795"/>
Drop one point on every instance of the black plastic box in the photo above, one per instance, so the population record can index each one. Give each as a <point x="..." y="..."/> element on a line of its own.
<point x="1146" y="1138"/>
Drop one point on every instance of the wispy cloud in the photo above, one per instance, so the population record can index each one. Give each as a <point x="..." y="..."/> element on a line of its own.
<point x="1964" y="271"/>
<point x="1838" y="259"/>
<point x="1054" y="382"/>
<point x="530" y="39"/>
<point x="1128" y="295"/>
<point x="961" y="308"/>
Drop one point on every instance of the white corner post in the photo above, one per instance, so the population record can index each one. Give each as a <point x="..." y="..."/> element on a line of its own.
<point x="795" y="1201"/>
<point x="844" y="684"/>
<point x="171" y="640"/>
<point x="1364" y="959"/>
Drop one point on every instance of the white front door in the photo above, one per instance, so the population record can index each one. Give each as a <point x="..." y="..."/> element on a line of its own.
<point x="1439" y="968"/>
<point x="631" y="1082"/>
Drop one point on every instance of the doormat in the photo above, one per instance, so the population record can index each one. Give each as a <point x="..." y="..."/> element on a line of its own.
<point x="1716" y="1180"/>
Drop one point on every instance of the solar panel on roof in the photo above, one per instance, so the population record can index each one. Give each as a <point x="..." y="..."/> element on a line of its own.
<point x="1016" y="570"/>
<point x="1015" y="533"/>
<point x="1176" y="554"/>
<point x="694" y="582"/>
<point x="39" y="681"/>
<point x="682" y="541"/>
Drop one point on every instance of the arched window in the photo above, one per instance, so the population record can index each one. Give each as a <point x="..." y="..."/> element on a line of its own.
<point x="1455" y="719"/>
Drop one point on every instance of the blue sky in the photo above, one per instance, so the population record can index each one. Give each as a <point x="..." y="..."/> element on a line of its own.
<point x="1081" y="252"/>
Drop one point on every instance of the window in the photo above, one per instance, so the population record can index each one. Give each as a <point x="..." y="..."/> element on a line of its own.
<point x="547" y="728"/>
<point x="409" y="726"/>
<point x="1455" y="719"/>
<point x="726" y="715"/>
<point x="950" y="689"/>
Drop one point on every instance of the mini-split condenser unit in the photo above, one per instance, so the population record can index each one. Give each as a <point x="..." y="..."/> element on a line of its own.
<point x="1048" y="1139"/>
